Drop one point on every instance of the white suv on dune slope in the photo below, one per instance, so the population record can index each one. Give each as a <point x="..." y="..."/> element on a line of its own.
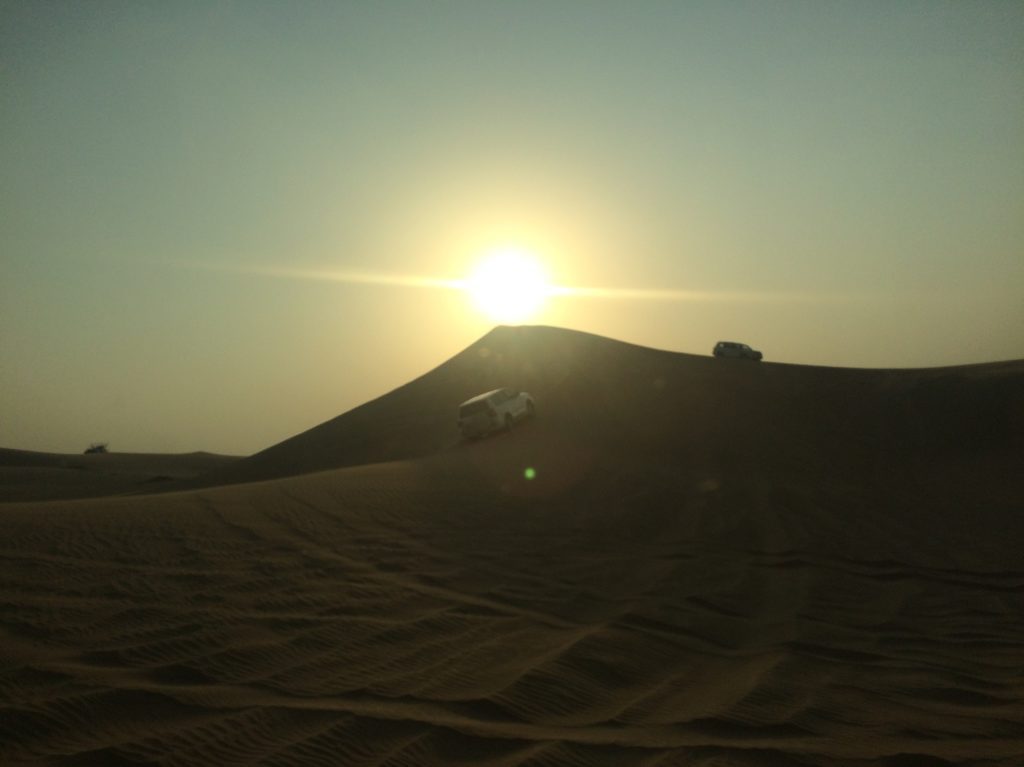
<point x="492" y="411"/>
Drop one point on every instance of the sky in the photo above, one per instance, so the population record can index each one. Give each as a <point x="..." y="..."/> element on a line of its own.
<point x="222" y="223"/>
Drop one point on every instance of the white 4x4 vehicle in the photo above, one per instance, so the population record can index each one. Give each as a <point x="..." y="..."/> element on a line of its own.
<point x="738" y="350"/>
<point x="497" y="409"/>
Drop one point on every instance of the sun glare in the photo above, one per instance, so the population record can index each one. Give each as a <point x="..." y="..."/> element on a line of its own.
<point x="508" y="285"/>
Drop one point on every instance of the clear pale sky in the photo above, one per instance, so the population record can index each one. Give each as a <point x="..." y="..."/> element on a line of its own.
<point x="834" y="183"/>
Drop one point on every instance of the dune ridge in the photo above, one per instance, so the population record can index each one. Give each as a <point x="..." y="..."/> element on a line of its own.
<point x="827" y="572"/>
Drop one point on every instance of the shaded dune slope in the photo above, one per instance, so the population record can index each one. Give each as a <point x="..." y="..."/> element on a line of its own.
<point x="714" y="564"/>
<point x="624" y="397"/>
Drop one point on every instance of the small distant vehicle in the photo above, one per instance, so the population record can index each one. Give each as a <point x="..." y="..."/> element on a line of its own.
<point x="493" y="411"/>
<point x="737" y="351"/>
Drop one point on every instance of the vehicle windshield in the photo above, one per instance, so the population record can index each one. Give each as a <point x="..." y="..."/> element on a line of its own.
<point x="472" y="408"/>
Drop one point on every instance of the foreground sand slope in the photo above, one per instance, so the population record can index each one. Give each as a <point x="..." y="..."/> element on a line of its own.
<point x="673" y="587"/>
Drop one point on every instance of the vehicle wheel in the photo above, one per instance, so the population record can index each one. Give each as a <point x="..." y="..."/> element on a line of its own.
<point x="508" y="422"/>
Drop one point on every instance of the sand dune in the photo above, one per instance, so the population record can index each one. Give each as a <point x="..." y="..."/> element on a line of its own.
<point x="27" y="475"/>
<point x="715" y="564"/>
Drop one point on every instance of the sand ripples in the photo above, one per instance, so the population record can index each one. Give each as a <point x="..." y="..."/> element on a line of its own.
<point x="365" y="617"/>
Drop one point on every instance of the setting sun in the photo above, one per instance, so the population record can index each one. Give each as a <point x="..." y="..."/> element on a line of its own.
<point x="508" y="285"/>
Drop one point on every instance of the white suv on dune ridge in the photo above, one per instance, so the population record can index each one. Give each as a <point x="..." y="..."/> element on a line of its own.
<point x="737" y="350"/>
<point x="492" y="411"/>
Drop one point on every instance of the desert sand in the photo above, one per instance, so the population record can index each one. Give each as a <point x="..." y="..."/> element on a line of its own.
<point x="715" y="563"/>
<point x="26" y="475"/>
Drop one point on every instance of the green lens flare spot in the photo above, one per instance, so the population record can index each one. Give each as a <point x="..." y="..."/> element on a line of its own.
<point x="530" y="472"/>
